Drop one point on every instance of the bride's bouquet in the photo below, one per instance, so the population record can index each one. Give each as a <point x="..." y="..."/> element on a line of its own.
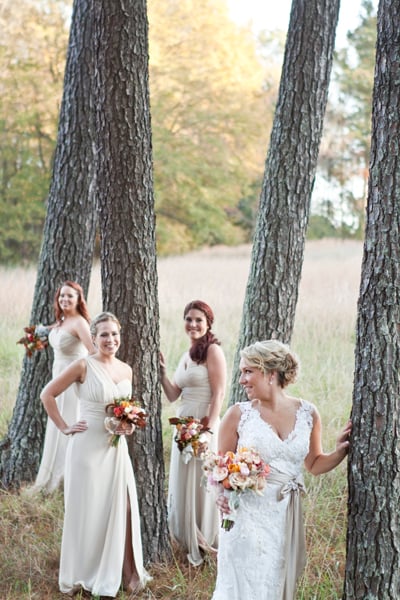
<point x="123" y="411"/>
<point x="235" y="474"/>
<point x="35" y="339"/>
<point x="190" y="437"/>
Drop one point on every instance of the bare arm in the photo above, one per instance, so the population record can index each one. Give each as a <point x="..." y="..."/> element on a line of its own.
<point x="171" y="390"/>
<point x="216" y="367"/>
<point x="82" y="331"/>
<point x="228" y="436"/>
<point x="317" y="461"/>
<point x="76" y="372"/>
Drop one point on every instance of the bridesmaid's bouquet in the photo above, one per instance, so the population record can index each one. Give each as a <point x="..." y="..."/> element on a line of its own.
<point x="190" y="437"/>
<point x="123" y="411"/>
<point x="36" y="338"/>
<point x="235" y="474"/>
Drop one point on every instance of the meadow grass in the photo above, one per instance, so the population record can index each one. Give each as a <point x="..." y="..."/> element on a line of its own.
<point x="30" y="528"/>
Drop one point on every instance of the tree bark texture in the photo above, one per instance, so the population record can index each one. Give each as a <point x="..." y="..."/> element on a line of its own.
<point x="66" y="253"/>
<point x="373" y="536"/>
<point x="127" y="230"/>
<point x="278" y="248"/>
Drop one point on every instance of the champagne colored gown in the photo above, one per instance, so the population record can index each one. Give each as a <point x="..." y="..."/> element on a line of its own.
<point x="99" y="483"/>
<point x="192" y="513"/>
<point x="254" y="558"/>
<point x="67" y="348"/>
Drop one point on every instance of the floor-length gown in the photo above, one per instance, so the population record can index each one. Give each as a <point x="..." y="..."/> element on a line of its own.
<point x="252" y="556"/>
<point x="99" y="483"/>
<point x="192" y="513"/>
<point x="67" y="348"/>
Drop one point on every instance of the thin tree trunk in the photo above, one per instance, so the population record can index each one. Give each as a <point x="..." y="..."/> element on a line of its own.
<point x="66" y="253"/>
<point x="373" y="536"/>
<point x="127" y="230"/>
<point x="278" y="249"/>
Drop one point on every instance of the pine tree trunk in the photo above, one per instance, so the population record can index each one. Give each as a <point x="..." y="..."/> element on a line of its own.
<point x="373" y="536"/>
<point x="127" y="230"/>
<point x="67" y="250"/>
<point x="278" y="249"/>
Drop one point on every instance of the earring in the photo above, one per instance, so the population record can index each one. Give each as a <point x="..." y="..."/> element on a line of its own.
<point x="270" y="381"/>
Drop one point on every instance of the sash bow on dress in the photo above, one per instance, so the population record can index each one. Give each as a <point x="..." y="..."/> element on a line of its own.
<point x="295" y="551"/>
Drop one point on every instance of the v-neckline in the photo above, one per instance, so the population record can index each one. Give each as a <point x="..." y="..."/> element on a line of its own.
<point x="290" y="435"/>
<point x="103" y="368"/>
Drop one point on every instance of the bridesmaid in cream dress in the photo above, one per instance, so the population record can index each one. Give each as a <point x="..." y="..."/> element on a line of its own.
<point x="101" y="541"/>
<point x="70" y="339"/>
<point x="199" y="380"/>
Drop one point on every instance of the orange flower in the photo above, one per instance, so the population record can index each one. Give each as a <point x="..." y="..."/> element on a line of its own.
<point x="246" y="472"/>
<point x="189" y="436"/>
<point x="35" y="339"/>
<point x="234" y="468"/>
<point x="123" y="410"/>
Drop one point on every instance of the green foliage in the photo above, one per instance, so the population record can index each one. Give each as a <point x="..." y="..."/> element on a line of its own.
<point x="209" y="93"/>
<point x="213" y="90"/>
<point x="355" y="78"/>
<point x="320" y="227"/>
<point x="245" y="213"/>
<point x="32" y="54"/>
<point x="344" y="155"/>
<point x="207" y="102"/>
<point x="22" y="212"/>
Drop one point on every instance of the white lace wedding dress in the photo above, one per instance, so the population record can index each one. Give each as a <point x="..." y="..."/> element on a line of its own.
<point x="252" y="559"/>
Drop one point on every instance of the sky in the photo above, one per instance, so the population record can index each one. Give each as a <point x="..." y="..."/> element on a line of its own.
<point x="274" y="14"/>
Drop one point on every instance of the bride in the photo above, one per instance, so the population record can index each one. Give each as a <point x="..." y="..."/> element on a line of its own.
<point x="263" y="554"/>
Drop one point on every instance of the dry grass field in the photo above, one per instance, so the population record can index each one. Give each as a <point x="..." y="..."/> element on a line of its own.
<point x="324" y="339"/>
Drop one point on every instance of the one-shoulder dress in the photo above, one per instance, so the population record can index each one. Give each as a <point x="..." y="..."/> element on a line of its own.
<point x="99" y="483"/>
<point x="257" y="558"/>
<point x="192" y="513"/>
<point x="67" y="348"/>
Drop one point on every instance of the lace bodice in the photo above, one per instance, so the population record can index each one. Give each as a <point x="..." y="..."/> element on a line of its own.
<point x="286" y="456"/>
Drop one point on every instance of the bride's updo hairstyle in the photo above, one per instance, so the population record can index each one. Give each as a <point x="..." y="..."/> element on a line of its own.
<point x="198" y="352"/>
<point x="102" y="318"/>
<point x="272" y="355"/>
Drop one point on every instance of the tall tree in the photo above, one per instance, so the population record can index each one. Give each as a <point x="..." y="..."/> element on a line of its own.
<point x="373" y="537"/>
<point x="278" y="249"/>
<point x="206" y="107"/>
<point x="67" y="247"/>
<point x="124" y="190"/>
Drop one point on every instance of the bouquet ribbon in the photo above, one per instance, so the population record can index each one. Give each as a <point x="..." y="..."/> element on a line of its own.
<point x="187" y="454"/>
<point x="295" y="550"/>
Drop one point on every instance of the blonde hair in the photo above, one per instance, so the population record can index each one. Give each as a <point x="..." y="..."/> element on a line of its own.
<point x="272" y="355"/>
<point x="102" y="318"/>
